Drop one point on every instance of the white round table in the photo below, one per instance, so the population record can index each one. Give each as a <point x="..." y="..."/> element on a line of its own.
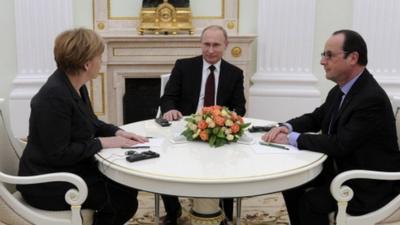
<point x="194" y="169"/>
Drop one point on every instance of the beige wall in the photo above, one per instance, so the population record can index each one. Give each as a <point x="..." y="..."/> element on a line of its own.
<point x="330" y="16"/>
<point x="7" y="47"/>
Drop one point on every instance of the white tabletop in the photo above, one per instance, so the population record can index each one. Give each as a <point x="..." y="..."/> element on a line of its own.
<point x="197" y="170"/>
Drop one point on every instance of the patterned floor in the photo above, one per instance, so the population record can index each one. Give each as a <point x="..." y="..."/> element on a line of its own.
<point x="261" y="210"/>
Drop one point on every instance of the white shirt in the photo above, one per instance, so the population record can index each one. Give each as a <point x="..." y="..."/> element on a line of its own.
<point x="205" y="73"/>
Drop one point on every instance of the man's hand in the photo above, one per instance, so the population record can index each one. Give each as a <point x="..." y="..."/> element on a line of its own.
<point x="277" y="135"/>
<point x="172" y="114"/>
<point x="132" y="136"/>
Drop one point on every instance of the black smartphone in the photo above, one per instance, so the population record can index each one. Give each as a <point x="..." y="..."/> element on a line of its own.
<point x="254" y="129"/>
<point x="142" y="156"/>
<point x="162" y="122"/>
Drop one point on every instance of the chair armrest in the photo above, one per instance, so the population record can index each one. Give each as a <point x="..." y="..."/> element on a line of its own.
<point x="343" y="193"/>
<point x="72" y="197"/>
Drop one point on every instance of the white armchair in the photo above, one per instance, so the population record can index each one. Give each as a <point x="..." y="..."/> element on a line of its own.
<point x="13" y="209"/>
<point x="387" y="215"/>
<point x="164" y="80"/>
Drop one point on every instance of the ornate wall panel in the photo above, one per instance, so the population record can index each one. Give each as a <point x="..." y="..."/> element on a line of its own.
<point x="107" y="17"/>
<point x="37" y="24"/>
<point x="284" y="84"/>
<point x="378" y="22"/>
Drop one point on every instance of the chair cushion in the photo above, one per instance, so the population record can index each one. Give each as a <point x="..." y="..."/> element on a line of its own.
<point x="9" y="216"/>
<point x="87" y="214"/>
<point x="393" y="219"/>
<point x="397" y="116"/>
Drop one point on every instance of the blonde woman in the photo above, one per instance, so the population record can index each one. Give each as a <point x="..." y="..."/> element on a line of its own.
<point x="65" y="134"/>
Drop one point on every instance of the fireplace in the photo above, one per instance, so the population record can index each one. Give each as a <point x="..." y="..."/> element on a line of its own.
<point x="129" y="88"/>
<point x="141" y="99"/>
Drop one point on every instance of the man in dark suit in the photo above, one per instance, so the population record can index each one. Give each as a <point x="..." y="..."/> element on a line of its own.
<point x="186" y="93"/>
<point x="356" y="129"/>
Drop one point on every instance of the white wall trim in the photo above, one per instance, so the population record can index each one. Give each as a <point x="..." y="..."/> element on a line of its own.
<point x="377" y="21"/>
<point x="37" y="24"/>
<point x="284" y="60"/>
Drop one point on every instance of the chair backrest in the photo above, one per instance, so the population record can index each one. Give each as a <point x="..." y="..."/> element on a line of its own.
<point x="396" y="109"/>
<point x="164" y="81"/>
<point x="16" y="144"/>
<point x="9" y="159"/>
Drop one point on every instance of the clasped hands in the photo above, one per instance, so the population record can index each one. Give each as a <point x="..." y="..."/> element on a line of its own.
<point x="277" y="135"/>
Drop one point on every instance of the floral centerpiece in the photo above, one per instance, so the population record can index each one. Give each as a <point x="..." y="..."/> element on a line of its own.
<point x="216" y="125"/>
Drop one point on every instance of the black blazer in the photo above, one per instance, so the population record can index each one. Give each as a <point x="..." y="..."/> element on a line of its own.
<point x="364" y="137"/>
<point x="182" y="91"/>
<point x="62" y="136"/>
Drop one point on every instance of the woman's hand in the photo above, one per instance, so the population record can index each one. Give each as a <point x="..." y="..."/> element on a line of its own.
<point x="117" y="142"/>
<point x="122" y="139"/>
<point x="132" y="136"/>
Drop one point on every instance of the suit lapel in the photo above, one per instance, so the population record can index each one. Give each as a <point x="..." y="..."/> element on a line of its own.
<point x="198" y="73"/>
<point x="222" y="80"/>
<point x="353" y="91"/>
<point x="82" y="101"/>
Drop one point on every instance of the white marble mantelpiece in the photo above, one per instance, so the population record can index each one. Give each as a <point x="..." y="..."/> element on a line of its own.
<point x="149" y="56"/>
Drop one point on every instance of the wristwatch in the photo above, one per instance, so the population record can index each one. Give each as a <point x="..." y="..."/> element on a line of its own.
<point x="280" y="125"/>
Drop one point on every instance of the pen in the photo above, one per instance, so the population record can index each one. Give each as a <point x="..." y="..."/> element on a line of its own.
<point x="274" y="145"/>
<point x="135" y="147"/>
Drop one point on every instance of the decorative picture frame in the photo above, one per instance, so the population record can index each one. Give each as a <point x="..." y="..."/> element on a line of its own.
<point x="122" y="16"/>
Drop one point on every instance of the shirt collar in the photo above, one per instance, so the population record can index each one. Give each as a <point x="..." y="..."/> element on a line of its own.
<point x="217" y="65"/>
<point x="346" y="88"/>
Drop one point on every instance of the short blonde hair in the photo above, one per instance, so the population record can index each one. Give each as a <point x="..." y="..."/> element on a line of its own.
<point x="73" y="48"/>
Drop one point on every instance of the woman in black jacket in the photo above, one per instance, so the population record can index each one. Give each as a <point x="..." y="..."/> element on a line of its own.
<point x="65" y="134"/>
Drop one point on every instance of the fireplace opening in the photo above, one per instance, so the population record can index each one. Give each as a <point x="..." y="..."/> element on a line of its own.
<point x="141" y="99"/>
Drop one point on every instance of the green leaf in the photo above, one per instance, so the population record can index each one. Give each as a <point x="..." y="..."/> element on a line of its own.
<point x="221" y="134"/>
<point x="245" y="125"/>
<point x="212" y="139"/>
<point x="216" y="130"/>
<point x="188" y="134"/>
<point x="220" y="141"/>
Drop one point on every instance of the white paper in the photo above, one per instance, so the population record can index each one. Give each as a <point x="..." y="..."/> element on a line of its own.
<point x="153" y="142"/>
<point x="246" y="139"/>
<point x="178" y="139"/>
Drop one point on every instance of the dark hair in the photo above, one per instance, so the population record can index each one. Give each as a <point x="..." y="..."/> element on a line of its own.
<point x="353" y="42"/>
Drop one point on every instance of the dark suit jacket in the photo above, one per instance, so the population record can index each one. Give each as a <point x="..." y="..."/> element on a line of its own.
<point x="363" y="137"/>
<point x="62" y="131"/>
<point x="183" y="88"/>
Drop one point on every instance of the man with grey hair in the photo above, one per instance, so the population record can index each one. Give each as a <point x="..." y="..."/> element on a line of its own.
<point x="200" y="81"/>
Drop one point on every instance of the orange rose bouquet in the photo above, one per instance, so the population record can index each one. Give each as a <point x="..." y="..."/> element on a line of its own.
<point x="216" y="125"/>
